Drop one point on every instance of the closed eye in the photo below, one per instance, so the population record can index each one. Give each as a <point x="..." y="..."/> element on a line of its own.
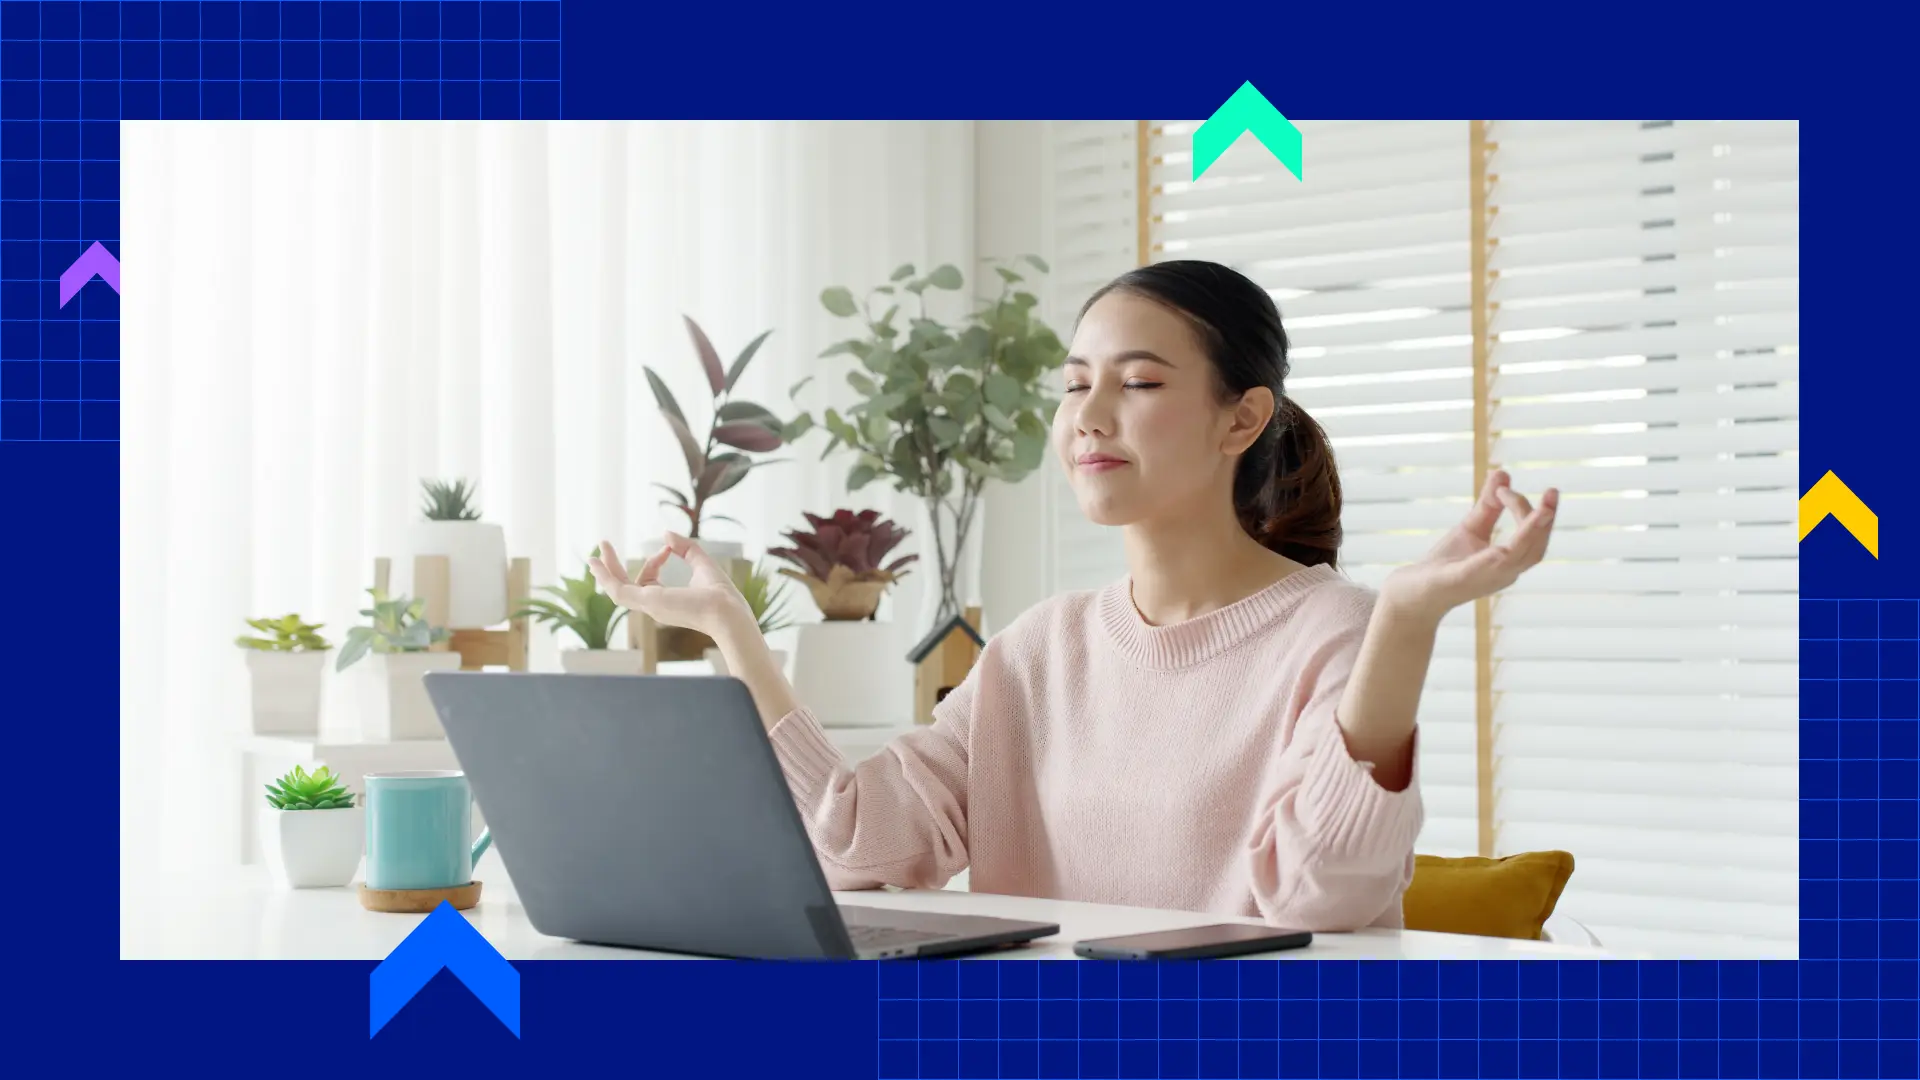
<point x="1077" y="388"/>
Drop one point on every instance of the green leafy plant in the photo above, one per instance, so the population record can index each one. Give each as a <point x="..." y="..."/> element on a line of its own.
<point x="288" y="633"/>
<point x="841" y="561"/>
<point x="765" y="597"/>
<point x="396" y="625"/>
<point x="742" y="425"/>
<point x="581" y="607"/>
<point x="449" y="502"/>
<point x="943" y="409"/>
<point x="301" y="790"/>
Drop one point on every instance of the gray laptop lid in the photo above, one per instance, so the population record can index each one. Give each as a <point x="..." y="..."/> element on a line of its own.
<point x="644" y="811"/>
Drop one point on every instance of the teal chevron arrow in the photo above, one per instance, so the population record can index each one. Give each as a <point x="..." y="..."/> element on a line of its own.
<point x="1246" y="111"/>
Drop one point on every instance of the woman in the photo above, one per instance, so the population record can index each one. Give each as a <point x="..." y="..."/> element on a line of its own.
<point x="1229" y="728"/>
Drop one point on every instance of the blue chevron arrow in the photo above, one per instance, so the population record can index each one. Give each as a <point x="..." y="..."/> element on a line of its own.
<point x="444" y="939"/>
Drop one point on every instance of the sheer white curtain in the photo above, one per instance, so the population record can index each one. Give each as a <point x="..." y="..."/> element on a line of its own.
<point x="319" y="316"/>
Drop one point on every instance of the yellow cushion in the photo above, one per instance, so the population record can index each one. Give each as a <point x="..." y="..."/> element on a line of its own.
<point x="1511" y="897"/>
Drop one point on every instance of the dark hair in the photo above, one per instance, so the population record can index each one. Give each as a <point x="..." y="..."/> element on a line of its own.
<point x="1285" y="491"/>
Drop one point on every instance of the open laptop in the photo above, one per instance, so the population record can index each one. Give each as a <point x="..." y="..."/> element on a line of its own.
<point x="649" y="811"/>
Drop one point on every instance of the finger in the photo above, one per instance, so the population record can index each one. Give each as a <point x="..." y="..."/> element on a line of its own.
<point x="694" y="555"/>
<point x="1517" y="503"/>
<point x="602" y="576"/>
<point x="1529" y="541"/>
<point x="650" y="570"/>
<point x="1486" y="509"/>
<point x="611" y="561"/>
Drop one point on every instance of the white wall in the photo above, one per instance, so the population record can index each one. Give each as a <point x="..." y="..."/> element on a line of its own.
<point x="1012" y="194"/>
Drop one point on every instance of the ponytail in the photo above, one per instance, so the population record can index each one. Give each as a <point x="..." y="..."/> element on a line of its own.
<point x="1287" y="492"/>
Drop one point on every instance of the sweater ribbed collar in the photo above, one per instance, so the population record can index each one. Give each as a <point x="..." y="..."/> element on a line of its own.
<point x="1194" y="641"/>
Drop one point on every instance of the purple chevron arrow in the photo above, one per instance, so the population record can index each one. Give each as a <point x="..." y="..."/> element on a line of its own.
<point x="95" y="260"/>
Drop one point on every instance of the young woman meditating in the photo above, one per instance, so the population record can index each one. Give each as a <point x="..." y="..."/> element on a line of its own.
<point x="1228" y="728"/>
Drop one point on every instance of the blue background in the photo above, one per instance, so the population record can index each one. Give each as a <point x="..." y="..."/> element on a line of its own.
<point x="69" y="72"/>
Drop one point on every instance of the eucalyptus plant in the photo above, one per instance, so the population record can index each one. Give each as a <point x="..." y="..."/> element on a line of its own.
<point x="943" y="409"/>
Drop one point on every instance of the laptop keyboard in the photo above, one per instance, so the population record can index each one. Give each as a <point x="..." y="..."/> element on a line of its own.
<point x="866" y="936"/>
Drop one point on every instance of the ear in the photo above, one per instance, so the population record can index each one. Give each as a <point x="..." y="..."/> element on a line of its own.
<point x="1249" y="418"/>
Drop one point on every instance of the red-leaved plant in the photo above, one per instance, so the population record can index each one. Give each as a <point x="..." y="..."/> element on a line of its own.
<point x="738" y="424"/>
<point x="840" y="561"/>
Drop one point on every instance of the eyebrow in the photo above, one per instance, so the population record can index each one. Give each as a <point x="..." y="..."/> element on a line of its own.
<point x="1130" y="354"/>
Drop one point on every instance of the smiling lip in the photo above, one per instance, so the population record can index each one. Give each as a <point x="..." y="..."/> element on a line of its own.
<point x="1096" y="463"/>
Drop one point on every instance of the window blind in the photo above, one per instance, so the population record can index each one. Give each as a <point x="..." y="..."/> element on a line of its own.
<point x="1645" y="319"/>
<point x="1095" y="238"/>
<point x="1642" y="329"/>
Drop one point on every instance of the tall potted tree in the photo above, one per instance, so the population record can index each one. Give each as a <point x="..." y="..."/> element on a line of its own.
<point x="943" y="409"/>
<point x="718" y="459"/>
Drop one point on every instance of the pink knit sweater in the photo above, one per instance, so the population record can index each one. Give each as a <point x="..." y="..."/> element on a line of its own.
<point x="1092" y="756"/>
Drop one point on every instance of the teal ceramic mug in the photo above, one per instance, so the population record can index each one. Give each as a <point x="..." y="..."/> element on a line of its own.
<point x="420" y="830"/>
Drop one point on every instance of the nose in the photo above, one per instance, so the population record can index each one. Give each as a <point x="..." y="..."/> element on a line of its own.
<point x="1096" y="412"/>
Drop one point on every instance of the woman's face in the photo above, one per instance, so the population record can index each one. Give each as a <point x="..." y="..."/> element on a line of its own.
<point x="1141" y="429"/>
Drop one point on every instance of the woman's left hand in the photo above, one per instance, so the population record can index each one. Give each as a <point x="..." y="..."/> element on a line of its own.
<point x="1466" y="564"/>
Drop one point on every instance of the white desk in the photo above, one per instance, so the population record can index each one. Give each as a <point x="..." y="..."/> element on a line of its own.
<point x="239" y="915"/>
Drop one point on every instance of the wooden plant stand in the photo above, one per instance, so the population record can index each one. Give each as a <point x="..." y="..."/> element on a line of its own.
<point x="667" y="644"/>
<point x="506" y="647"/>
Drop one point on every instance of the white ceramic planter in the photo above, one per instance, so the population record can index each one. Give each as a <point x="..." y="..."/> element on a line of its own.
<point x="476" y="554"/>
<point x="718" y="661"/>
<point x="313" y="849"/>
<point x="286" y="690"/>
<point x="677" y="572"/>
<point x="854" y="674"/>
<point x="601" y="661"/>
<point x="389" y="698"/>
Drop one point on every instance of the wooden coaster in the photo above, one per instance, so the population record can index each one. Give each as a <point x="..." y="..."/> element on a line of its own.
<point x="419" y="901"/>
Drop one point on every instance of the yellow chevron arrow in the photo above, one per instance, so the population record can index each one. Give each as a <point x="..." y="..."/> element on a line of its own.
<point x="1830" y="496"/>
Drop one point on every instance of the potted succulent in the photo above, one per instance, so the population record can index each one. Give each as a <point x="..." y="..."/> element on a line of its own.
<point x="286" y="661"/>
<point x="476" y="553"/>
<point x="767" y="599"/>
<point x="843" y="561"/>
<point x="312" y="829"/>
<point x="580" y="608"/>
<point x="389" y="697"/>
<point x="740" y="427"/>
<point x="944" y="409"/>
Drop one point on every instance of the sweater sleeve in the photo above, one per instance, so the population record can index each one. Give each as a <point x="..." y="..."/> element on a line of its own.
<point x="1332" y="850"/>
<point x="897" y="818"/>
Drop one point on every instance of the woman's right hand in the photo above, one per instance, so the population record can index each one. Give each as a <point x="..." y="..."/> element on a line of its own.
<point x="710" y="603"/>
